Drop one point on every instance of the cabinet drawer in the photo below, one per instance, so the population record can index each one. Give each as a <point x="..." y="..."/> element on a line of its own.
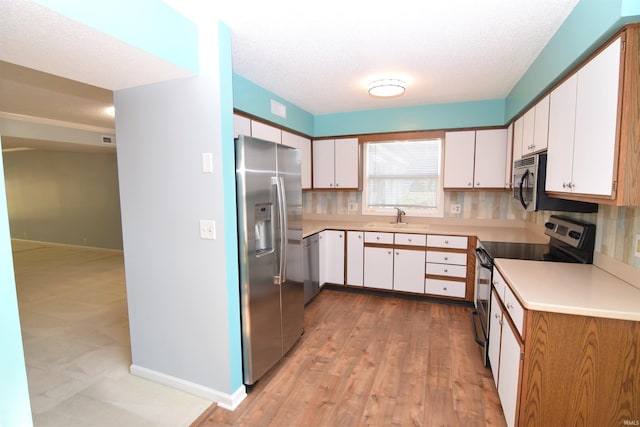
<point x="437" y="241"/>
<point x="447" y="257"/>
<point x="499" y="284"/>
<point x="515" y="310"/>
<point x="447" y="288"/>
<point x="411" y="239"/>
<point x="374" y="237"/>
<point x="446" y="270"/>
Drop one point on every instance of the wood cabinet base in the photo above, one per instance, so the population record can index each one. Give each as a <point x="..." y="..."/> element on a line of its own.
<point x="580" y="370"/>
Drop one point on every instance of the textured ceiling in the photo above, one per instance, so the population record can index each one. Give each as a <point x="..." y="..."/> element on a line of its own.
<point x="322" y="55"/>
<point x="319" y="56"/>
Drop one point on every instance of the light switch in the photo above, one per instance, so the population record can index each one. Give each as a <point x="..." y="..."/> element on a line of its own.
<point x="207" y="229"/>
<point x="207" y="162"/>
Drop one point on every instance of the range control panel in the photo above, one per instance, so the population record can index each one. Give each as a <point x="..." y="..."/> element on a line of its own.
<point x="570" y="231"/>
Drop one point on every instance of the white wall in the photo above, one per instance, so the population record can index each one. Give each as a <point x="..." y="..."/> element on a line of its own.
<point x="177" y="288"/>
<point x="15" y="408"/>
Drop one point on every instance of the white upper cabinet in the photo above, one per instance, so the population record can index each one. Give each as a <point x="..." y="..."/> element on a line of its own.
<point x="459" y="149"/>
<point x="304" y="145"/>
<point x="518" y="130"/>
<point x="267" y="132"/>
<point x="241" y="126"/>
<point x="491" y="159"/>
<point x="476" y="159"/>
<point x="530" y="132"/>
<point x="562" y="123"/>
<point x="336" y="163"/>
<point x="528" y="127"/>
<point x="596" y="121"/>
<point x="582" y="128"/>
<point x="541" y="125"/>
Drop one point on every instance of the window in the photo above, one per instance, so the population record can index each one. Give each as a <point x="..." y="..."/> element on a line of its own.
<point x="404" y="174"/>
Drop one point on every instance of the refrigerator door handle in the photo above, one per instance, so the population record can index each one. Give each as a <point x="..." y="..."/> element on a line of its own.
<point x="281" y="198"/>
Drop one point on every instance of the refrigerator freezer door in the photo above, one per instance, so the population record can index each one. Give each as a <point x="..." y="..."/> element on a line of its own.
<point x="292" y="288"/>
<point x="259" y="296"/>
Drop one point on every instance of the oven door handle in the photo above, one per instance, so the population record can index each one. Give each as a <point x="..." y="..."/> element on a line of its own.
<point x="484" y="258"/>
<point x="480" y="342"/>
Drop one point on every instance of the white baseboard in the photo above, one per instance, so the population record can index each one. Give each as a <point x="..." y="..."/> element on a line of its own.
<point x="224" y="400"/>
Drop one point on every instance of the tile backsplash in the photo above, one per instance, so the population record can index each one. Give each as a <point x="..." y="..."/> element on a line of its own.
<point x="616" y="227"/>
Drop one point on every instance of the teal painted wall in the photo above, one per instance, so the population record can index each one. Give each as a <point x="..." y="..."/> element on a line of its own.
<point x="587" y="27"/>
<point x="425" y="117"/>
<point x="164" y="32"/>
<point x="229" y="199"/>
<point x="15" y="406"/>
<point x="253" y="99"/>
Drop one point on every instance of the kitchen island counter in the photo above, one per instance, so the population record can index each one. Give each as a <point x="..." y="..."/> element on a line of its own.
<point x="580" y="289"/>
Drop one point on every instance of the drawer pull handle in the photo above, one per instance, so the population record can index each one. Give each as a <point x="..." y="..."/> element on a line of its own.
<point x="446" y="258"/>
<point x="509" y="306"/>
<point x="444" y="289"/>
<point x="446" y="242"/>
<point x="446" y="271"/>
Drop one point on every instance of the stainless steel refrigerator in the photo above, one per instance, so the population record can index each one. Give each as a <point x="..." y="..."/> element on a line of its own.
<point x="269" y="198"/>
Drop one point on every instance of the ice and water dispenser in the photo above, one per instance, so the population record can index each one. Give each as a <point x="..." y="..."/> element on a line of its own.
<point x="264" y="228"/>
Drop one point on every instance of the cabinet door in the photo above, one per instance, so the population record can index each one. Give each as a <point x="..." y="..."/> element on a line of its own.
<point x="346" y="161"/>
<point x="495" y="331"/>
<point x="266" y="132"/>
<point x="408" y="271"/>
<point x="517" y="138"/>
<point x="508" y="175"/>
<point x="304" y="145"/>
<point x="541" y="125"/>
<point x="459" y="149"/>
<point x="596" y="123"/>
<point x="528" y="126"/>
<point x="562" y="123"/>
<point x="491" y="158"/>
<point x="323" y="165"/>
<point x="241" y="126"/>
<point x="355" y="258"/>
<point x="378" y="268"/>
<point x="332" y="257"/>
<point x="509" y="373"/>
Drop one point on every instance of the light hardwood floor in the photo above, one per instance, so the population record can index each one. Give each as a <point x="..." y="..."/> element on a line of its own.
<point x="368" y="360"/>
<point x="363" y="360"/>
<point x="73" y="313"/>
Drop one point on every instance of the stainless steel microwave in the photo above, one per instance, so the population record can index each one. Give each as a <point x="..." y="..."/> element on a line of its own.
<point x="529" y="176"/>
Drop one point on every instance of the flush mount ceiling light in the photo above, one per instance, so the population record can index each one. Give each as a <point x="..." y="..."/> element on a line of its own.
<point x="386" y="88"/>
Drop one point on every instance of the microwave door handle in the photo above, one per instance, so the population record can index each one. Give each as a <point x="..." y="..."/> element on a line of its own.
<point x="522" y="180"/>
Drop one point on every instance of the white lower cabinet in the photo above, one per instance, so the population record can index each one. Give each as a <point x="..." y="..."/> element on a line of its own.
<point x="505" y="356"/>
<point x="445" y="288"/>
<point x="509" y="373"/>
<point x="378" y="268"/>
<point x="408" y="270"/>
<point x="332" y="257"/>
<point x="355" y="258"/>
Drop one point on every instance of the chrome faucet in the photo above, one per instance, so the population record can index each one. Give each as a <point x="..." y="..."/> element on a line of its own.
<point x="399" y="215"/>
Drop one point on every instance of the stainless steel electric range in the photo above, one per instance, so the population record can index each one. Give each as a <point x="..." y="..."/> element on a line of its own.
<point x="570" y="241"/>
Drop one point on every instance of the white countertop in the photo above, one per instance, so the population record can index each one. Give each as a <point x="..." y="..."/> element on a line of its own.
<point x="487" y="231"/>
<point x="581" y="289"/>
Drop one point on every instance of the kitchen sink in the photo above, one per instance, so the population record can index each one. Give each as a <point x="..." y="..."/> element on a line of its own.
<point x="394" y="225"/>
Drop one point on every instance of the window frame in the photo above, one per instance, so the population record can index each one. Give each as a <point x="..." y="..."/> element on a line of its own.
<point x="402" y="137"/>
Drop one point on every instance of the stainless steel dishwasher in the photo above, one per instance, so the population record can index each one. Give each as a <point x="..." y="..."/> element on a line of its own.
<point x="311" y="272"/>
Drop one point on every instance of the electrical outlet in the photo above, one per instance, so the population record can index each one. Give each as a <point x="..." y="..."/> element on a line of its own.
<point x="456" y="208"/>
<point x="207" y="229"/>
<point x="353" y="207"/>
<point x="637" y="246"/>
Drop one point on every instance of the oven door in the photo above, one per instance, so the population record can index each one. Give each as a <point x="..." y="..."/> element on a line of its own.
<point x="480" y="316"/>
